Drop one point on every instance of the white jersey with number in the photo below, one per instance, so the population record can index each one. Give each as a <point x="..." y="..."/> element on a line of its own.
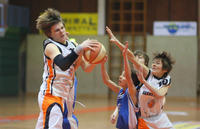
<point x="148" y="103"/>
<point x="56" y="81"/>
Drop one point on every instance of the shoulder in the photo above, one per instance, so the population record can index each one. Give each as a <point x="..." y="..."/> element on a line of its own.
<point x="48" y="42"/>
<point x="167" y="80"/>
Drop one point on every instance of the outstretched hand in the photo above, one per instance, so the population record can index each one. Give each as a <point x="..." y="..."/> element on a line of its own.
<point x="110" y="34"/>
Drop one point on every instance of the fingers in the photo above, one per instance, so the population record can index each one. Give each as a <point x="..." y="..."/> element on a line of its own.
<point x="105" y="59"/>
<point x="110" y="34"/>
<point x="112" y="119"/>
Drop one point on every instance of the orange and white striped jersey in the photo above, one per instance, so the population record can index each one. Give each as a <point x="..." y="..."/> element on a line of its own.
<point x="148" y="103"/>
<point x="56" y="81"/>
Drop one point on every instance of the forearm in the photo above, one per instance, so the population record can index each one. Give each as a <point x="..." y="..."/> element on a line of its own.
<point x="131" y="87"/>
<point x="156" y="92"/>
<point x="65" y="62"/>
<point x="107" y="81"/>
<point x="116" y="111"/>
<point x="121" y="47"/>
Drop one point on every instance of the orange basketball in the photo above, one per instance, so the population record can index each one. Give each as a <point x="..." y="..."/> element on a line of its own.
<point x="96" y="56"/>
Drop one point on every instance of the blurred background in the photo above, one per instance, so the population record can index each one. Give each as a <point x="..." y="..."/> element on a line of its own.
<point x="148" y="25"/>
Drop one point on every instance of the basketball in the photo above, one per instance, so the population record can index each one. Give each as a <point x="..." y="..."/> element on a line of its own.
<point x="96" y="56"/>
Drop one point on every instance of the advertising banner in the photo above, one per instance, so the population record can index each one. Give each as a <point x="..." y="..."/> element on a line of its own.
<point x="81" y="23"/>
<point x="175" y="28"/>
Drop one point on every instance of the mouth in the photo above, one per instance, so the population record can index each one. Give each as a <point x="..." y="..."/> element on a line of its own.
<point x="62" y="36"/>
<point x="153" y="69"/>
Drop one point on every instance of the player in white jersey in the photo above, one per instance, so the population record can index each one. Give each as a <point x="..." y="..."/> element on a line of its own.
<point x="152" y="93"/>
<point x="152" y="116"/>
<point x="61" y="59"/>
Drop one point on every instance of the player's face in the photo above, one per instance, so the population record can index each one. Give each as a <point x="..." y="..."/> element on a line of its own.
<point x="140" y="59"/>
<point x="157" y="68"/>
<point x="58" y="33"/>
<point x="122" y="80"/>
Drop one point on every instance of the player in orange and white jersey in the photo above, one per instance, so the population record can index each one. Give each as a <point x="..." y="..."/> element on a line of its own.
<point x="152" y="93"/>
<point x="61" y="59"/>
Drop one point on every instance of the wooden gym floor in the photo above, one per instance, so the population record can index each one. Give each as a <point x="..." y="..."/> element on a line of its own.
<point x="22" y="113"/>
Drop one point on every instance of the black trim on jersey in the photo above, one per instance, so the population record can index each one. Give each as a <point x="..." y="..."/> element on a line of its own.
<point x="60" y="42"/>
<point x="46" y="125"/>
<point x="158" y="78"/>
<point x="65" y="62"/>
<point x="134" y="77"/>
<point x="170" y="81"/>
<point x="54" y="72"/>
<point x="73" y="44"/>
<point x="148" y="75"/>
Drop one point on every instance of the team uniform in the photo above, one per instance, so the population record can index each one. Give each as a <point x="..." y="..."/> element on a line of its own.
<point x="152" y="115"/>
<point x="126" y="117"/>
<point x="57" y="93"/>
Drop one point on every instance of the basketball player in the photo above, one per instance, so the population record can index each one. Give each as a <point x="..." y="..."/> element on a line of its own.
<point x="154" y="88"/>
<point x="143" y="58"/>
<point x="153" y="91"/>
<point x="126" y="99"/>
<point x="61" y="58"/>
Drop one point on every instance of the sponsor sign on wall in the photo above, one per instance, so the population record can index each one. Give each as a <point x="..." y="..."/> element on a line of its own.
<point x="175" y="28"/>
<point x="81" y="23"/>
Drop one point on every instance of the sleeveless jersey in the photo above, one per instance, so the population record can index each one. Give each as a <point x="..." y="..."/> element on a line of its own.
<point x="126" y="117"/>
<point x="148" y="103"/>
<point x="56" y="81"/>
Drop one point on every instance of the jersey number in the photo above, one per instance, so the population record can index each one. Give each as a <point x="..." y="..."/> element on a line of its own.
<point x="163" y="82"/>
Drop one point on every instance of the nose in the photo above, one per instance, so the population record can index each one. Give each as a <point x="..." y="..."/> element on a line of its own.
<point x="153" y="65"/>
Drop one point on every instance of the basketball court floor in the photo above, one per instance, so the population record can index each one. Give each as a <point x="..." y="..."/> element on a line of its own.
<point x="22" y="112"/>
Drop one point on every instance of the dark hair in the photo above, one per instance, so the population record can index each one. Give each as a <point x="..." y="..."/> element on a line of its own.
<point x="141" y="53"/>
<point x="166" y="60"/>
<point x="47" y="19"/>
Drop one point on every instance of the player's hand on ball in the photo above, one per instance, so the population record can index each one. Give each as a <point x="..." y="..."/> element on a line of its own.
<point x="96" y="54"/>
<point x="89" y="44"/>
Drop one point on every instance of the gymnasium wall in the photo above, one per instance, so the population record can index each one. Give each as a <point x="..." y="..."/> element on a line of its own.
<point x="184" y="73"/>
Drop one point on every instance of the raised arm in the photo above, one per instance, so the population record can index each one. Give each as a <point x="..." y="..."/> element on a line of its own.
<point x="131" y="88"/>
<point x="114" y="40"/>
<point x="157" y="92"/>
<point x="106" y="79"/>
<point x="131" y="56"/>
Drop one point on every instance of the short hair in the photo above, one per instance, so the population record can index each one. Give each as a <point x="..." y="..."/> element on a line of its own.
<point x="166" y="60"/>
<point x="47" y="19"/>
<point x="142" y="53"/>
